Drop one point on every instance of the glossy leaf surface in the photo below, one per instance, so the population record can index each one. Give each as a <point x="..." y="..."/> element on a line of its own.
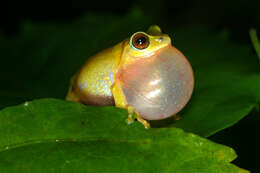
<point x="50" y="135"/>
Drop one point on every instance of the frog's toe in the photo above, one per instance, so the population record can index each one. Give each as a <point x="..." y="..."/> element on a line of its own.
<point x="129" y="120"/>
<point x="144" y="122"/>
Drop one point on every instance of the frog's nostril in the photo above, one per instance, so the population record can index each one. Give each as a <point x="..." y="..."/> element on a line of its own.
<point x="160" y="39"/>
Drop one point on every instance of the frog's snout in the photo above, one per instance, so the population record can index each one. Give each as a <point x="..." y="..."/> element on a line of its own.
<point x="163" y="39"/>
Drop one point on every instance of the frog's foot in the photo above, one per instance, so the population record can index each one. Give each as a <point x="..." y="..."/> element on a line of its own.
<point x="143" y="121"/>
<point x="176" y="117"/>
<point x="72" y="96"/>
<point x="131" y="117"/>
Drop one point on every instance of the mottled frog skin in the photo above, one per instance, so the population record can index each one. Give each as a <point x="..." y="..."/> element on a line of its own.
<point x="144" y="74"/>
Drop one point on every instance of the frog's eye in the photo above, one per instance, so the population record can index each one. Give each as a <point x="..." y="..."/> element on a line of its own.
<point x="140" y="41"/>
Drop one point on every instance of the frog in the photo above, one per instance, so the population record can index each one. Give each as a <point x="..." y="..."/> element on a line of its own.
<point x="144" y="74"/>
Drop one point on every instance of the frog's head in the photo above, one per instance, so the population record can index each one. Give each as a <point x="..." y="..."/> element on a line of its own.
<point x="156" y="78"/>
<point x="142" y="45"/>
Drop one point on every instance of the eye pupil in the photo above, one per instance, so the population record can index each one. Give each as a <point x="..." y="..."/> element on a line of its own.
<point x="140" y="41"/>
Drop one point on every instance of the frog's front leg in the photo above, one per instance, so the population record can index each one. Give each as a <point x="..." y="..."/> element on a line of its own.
<point x="120" y="101"/>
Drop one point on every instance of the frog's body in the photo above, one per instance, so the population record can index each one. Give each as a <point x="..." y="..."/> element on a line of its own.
<point x="143" y="74"/>
<point x="92" y="83"/>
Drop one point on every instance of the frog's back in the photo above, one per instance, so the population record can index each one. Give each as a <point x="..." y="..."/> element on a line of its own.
<point x="91" y="84"/>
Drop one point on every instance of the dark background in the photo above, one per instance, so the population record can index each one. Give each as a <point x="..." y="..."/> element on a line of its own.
<point x="236" y="16"/>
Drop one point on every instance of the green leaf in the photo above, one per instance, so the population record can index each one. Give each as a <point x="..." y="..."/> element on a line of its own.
<point x="51" y="135"/>
<point x="41" y="59"/>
